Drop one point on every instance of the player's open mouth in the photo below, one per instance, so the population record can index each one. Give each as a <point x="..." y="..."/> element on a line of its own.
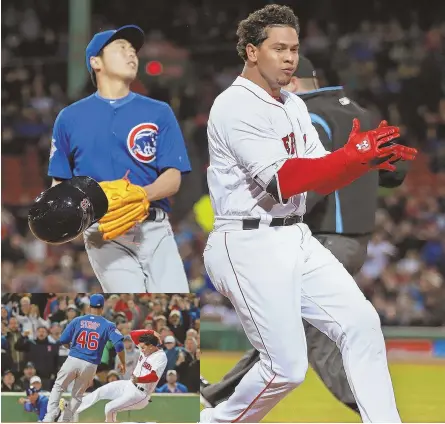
<point x="132" y="64"/>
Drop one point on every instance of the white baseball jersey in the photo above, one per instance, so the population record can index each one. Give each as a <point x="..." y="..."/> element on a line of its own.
<point x="251" y="135"/>
<point x="156" y="362"/>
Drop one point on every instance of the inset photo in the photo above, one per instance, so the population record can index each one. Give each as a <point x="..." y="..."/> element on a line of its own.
<point x="91" y="357"/>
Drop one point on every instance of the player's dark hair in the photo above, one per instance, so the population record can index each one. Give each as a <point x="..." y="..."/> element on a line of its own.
<point x="149" y="339"/>
<point x="253" y="29"/>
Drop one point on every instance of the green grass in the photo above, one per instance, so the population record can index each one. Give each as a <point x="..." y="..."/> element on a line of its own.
<point x="419" y="389"/>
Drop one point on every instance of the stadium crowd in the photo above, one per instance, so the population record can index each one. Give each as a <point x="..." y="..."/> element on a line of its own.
<point x="33" y="323"/>
<point x="390" y="58"/>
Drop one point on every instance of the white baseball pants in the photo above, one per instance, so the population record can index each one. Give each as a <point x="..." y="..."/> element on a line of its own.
<point x="144" y="260"/>
<point x="271" y="274"/>
<point x="73" y="369"/>
<point x="124" y="396"/>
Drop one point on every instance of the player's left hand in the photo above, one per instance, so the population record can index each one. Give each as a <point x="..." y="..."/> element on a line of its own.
<point x="22" y="401"/>
<point x="127" y="205"/>
<point x="134" y="379"/>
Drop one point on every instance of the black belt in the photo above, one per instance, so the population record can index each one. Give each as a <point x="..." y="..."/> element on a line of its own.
<point x="139" y="388"/>
<point x="154" y="215"/>
<point x="254" y="223"/>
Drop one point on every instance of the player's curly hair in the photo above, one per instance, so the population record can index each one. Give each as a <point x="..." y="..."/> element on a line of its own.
<point x="149" y="339"/>
<point x="253" y="29"/>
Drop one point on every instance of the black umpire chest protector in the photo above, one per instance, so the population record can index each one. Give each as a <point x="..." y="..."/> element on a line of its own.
<point x="350" y="210"/>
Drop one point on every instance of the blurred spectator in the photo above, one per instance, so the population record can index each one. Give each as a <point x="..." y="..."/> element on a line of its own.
<point x="160" y="322"/>
<point x="55" y="332"/>
<point x="131" y="358"/>
<point x="59" y="315"/>
<point x="28" y="373"/>
<point x="71" y="313"/>
<point x="112" y="376"/>
<point x="131" y="311"/>
<point x="29" y="317"/>
<point x="9" y="384"/>
<point x="13" y="334"/>
<point x="110" y="307"/>
<point x="379" y="252"/>
<point x="187" y="364"/>
<point x="172" y="385"/>
<point x="42" y="353"/>
<point x="6" y="351"/>
<point x="164" y="332"/>
<point x="175" y="325"/>
<point x="172" y="351"/>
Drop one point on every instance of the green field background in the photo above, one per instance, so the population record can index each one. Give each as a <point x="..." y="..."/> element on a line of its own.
<point x="163" y="408"/>
<point x="419" y="388"/>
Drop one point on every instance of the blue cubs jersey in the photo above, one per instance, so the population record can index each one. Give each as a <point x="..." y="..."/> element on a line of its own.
<point x="103" y="139"/>
<point x="180" y="388"/>
<point x="88" y="336"/>
<point x="40" y="407"/>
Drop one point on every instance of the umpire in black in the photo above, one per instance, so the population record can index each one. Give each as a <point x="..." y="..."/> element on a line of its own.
<point x="342" y="221"/>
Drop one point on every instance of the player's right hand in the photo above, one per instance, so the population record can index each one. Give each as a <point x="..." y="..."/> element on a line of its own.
<point x="121" y="368"/>
<point x="364" y="147"/>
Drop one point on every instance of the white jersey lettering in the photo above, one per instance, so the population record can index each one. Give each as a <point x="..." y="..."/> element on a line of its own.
<point x="156" y="362"/>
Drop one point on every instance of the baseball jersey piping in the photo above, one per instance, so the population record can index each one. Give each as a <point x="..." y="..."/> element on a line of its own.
<point x="256" y="95"/>
<point x="254" y="401"/>
<point x="247" y="305"/>
<point x="125" y="408"/>
<point x="281" y="106"/>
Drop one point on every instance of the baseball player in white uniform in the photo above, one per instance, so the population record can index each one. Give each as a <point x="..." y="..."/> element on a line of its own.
<point x="264" y="156"/>
<point x="136" y="392"/>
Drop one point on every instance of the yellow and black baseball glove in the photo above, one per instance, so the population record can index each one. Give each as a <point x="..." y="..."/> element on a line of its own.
<point x="127" y="205"/>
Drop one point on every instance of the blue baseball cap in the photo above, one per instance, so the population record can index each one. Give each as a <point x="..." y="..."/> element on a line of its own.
<point x="131" y="33"/>
<point x="97" y="301"/>
<point x="31" y="390"/>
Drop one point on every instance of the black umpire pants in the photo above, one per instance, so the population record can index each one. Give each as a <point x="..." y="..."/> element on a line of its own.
<point x="323" y="354"/>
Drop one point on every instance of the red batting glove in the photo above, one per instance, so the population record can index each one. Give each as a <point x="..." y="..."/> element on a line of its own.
<point x="399" y="153"/>
<point x="364" y="147"/>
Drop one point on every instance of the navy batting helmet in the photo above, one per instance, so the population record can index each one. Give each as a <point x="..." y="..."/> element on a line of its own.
<point x="63" y="212"/>
<point x="31" y="391"/>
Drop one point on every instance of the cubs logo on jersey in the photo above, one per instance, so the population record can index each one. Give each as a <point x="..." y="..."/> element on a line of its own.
<point x="141" y="142"/>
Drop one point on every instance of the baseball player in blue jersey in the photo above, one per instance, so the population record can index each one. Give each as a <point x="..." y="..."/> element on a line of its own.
<point x="86" y="336"/>
<point x="133" y="146"/>
<point x="36" y="402"/>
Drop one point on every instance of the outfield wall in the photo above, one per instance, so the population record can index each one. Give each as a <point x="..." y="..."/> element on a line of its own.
<point x="172" y="408"/>
<point x="401" y="342"/>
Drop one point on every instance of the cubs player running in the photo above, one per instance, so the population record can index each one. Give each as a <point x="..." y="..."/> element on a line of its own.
<point x="86" y="336"/>
<point x="264" y="156"/>
<point x="113" y="134"/>
<point x="136" y="392"/>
